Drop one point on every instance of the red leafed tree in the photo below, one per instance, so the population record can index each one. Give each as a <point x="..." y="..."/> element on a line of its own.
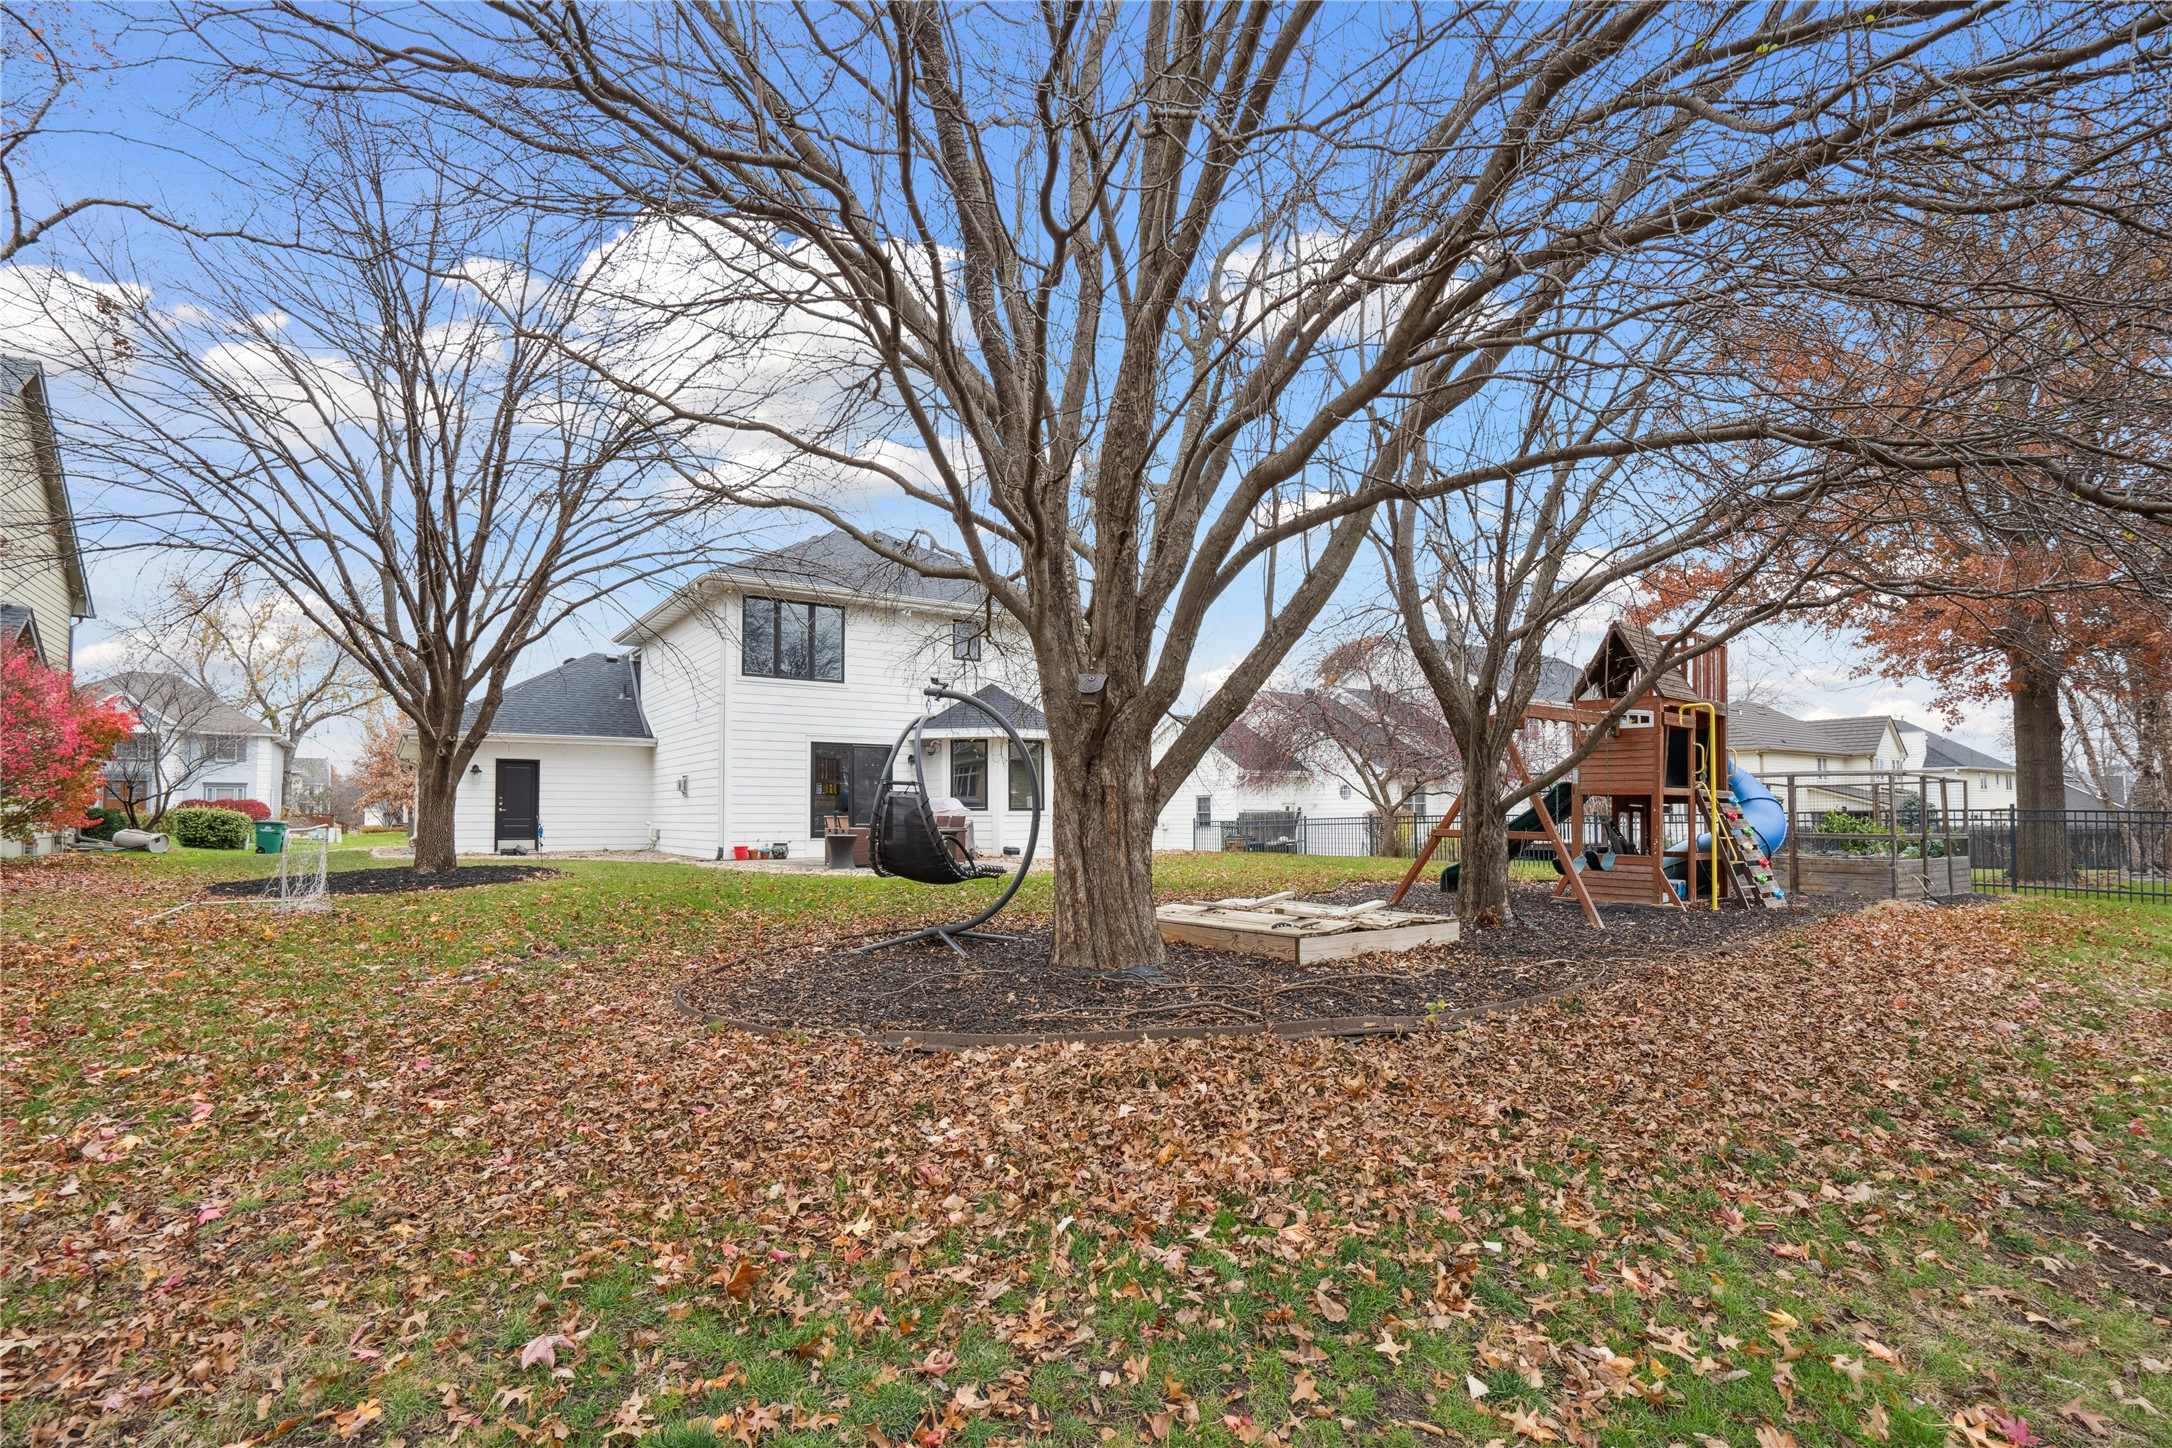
<point x="53" y="741"/>
<point x="1364" y="718"/>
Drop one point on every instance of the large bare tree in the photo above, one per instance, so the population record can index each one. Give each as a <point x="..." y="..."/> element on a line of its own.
<point x="391" y="427"/>
<point x="1108" y="278"/>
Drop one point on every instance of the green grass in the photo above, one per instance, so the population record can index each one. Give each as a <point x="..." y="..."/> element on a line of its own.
<point x="366" y="1255"/>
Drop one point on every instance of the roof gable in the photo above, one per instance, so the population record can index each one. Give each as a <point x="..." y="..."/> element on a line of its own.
<point x="832" y="565"/>
<point x="596" y="696"/>
<point x="1627" y="650"/>
<point x="172" y="703"/>
<point x="965" y="719"/>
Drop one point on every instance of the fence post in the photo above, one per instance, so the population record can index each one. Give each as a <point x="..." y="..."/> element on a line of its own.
<point x="1794" y="843"/>
<point x="2013" y="848"/>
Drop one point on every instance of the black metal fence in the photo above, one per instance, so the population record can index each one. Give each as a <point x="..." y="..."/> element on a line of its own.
<point x="2118" y="852"/>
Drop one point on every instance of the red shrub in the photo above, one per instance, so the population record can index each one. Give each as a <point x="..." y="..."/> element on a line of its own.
<point x="255" y="809"/>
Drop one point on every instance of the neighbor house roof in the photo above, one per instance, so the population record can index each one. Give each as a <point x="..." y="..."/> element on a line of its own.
<point x="969" y="722"/>
<point x="18" y="623"/>
<point x="22" y="378"/>
<point x="1753" y="726"/>
<point x="176" y="703"/>
<point x="1557" y="681"/>
<point x="1939" y="752"/>
<point x="829" y="564"/>
<point x="595" y="696"/>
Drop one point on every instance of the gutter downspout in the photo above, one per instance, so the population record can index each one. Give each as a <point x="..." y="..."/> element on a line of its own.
<point x="724" y="740"/>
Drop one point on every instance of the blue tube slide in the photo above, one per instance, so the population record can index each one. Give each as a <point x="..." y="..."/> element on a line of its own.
<point x="1760" y="811"/>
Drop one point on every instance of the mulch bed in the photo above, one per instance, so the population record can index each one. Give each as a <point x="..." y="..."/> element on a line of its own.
<point x="1006" y="991"/>
<point x="400" y="880"/>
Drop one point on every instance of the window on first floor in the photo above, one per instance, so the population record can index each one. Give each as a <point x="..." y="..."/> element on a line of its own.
<point x="969" y="772"/>
<point x="1203" y="810"/>
<point x="226" y="791"/>
<point x="781" y="639"/>
<point x="1021" y="792"/>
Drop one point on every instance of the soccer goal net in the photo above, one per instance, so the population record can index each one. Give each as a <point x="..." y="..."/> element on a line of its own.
<point x="299" y="882"/>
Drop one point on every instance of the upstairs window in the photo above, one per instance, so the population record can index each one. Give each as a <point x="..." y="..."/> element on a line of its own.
<point x="781" y="639"/>
<point x="222" y="749"/>
<point x="965" y="639"/>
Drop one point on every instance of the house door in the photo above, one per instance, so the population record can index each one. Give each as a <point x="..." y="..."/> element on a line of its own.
<point x="519" y="793"/>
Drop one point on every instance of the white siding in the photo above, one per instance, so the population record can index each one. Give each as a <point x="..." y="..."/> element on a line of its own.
<point x="592" y="796"/>
<point x="1217" y="777"/>
<point x="682" y="697"/>
<point x="774" y="723"/>
<point x="30" y="557"/>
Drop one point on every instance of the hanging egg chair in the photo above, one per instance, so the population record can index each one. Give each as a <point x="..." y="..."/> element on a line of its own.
<point x="926" y="838"/>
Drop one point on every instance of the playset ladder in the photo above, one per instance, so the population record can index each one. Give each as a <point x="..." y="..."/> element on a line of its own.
<point x="1742" y="855"/>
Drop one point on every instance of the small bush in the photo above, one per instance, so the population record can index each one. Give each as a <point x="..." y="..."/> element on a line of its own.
<point x="255" y="809"/>
<point x="103" y="822"/>
<point x="202" y="828"/>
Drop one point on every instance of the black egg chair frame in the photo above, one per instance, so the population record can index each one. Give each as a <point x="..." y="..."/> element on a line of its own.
<point x="903" y="838"/>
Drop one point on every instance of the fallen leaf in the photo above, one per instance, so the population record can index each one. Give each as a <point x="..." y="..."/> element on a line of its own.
<point x="1330" y="1309"/>
<point x="1474" y="1387"/>
<point x="543" y="1349"/>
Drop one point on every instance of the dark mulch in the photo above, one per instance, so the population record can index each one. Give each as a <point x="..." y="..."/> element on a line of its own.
<point x="399" y="880"/>
<point x="1546" y="926"/>
<point x="1010" y="987"/>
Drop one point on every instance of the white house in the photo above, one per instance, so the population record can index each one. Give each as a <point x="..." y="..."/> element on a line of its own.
<point x="188" y="744"/>
<point x="762" y="699"/>
<point x="43" y="592"/>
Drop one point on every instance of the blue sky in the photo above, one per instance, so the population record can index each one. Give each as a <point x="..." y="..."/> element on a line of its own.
<point x="126" y="141"/>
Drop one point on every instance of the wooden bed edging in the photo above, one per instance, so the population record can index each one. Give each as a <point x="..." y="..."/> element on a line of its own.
<point x="1312" y="1028"/>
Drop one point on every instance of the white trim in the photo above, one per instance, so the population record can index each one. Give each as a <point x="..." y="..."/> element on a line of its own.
<point x="651" y="624"/>
<point x="628" y="740"/>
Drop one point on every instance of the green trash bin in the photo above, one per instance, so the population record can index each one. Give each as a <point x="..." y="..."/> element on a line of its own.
<point x="271" y="837"/>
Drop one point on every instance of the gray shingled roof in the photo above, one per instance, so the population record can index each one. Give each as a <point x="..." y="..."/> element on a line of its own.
<point x="1939" y="752"/>
<point x="1024" y="717"/>
<point x="836" y="560"/>
<point x="16" y="622"/>
<point x="175" y="704"/>
<point x="595" y="696"/>
<point x="1753" y="726"/>
<point x="1557" y="681"/>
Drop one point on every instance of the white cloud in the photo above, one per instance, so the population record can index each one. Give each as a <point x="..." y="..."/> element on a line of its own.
<point x="58" y="317"/>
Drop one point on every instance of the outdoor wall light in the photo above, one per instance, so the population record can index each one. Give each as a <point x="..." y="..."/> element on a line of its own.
<point x="476" y="770"/>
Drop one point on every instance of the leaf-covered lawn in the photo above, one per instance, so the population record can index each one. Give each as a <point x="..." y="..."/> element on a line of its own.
<point x="448" y="1167"/>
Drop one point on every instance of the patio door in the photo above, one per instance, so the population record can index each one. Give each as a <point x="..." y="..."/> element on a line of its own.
<point x="519" y="802"/>
<point x="843" y="781"/>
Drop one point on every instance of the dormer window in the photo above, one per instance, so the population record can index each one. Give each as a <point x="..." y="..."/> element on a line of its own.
<point x="783" y="639"/>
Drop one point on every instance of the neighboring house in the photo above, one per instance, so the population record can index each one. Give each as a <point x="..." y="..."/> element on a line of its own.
<point x="1222" y="788"/>
<point x="312" y="782"/>
<point x="43" y="591"/>
<point x="188" y="744"/>
<point x="1989" y="779"/>
<point x="1771" y="744"/>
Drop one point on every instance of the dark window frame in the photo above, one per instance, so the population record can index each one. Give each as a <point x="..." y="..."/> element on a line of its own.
<point x="977" y="800"/>
<point x="812" y="616"/>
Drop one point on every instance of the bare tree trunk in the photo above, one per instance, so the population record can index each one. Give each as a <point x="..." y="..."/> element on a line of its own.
<point x="1103" y="832"/>
<point x="1482" y="887"/>
<point x="2039" y="767"/>
<point x="437" y="781"/>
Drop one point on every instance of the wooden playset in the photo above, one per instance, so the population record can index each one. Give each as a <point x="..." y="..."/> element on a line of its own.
<point x="1651" y="816"/>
